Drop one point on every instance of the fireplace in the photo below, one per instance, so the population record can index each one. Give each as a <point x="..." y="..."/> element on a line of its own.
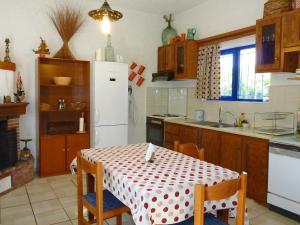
<point x="8" y="145"/>
<point x="13" y="172"/>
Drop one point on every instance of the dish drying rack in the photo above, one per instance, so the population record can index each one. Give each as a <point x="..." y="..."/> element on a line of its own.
<point x="274" y="123"/>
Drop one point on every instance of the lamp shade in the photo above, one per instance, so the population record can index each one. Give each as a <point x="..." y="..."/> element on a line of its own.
<point x="105" y="10"/>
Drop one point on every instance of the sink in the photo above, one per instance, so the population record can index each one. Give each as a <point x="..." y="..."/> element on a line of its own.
<point x="211" y="124"/>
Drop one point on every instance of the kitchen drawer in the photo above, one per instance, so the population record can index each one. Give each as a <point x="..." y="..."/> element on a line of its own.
<point x="172" y="128"/>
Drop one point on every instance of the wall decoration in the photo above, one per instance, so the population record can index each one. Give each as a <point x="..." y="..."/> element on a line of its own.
<point x="20" y="94"/>
<point x="42" y="50"/>
<point x="67" y="22"/>
<point x="7" y="57"/>
<point x="137" y="75"/>
<point x="169" y="31"/>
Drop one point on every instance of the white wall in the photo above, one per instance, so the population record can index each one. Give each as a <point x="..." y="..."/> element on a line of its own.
<point x="135" y="37"/>
<point x="214" y="17"/>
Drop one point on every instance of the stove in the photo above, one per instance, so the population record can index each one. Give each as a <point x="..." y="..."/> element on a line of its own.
<point x="155" y="128"/>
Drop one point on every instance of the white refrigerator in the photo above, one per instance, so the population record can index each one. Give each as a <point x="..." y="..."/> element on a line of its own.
<point x="109" y="108"/>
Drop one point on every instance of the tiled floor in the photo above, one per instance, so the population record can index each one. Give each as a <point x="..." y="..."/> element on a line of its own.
<point x="47" y="201"/>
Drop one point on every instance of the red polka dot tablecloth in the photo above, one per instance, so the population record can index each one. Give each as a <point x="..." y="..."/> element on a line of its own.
<point x="161" y="192"/>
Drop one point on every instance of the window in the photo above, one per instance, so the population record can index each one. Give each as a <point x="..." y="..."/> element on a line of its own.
<point x="239" y="82"/>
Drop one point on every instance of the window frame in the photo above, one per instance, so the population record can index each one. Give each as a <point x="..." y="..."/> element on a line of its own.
<point x="235" y="74"/>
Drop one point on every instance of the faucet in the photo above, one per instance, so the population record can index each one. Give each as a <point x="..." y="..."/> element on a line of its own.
<point x="226" y="112"/>
<point x="220" y="115"/>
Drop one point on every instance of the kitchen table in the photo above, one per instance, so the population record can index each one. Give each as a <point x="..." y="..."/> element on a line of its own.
<point x="161" y="192"/>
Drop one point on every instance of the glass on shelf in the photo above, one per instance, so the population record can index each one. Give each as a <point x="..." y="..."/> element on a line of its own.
<point x="268" y="44"/>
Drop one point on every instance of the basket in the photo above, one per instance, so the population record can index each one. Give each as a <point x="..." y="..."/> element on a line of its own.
<point x="273" y="7"/>
<point x="296" y="4"/>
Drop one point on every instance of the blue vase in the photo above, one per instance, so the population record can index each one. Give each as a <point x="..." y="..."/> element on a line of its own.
<point x="167" y="33"/>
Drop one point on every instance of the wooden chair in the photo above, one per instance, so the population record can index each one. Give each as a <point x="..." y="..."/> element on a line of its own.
<point x="189" y="149"/>
<point x="217" y="192"/>
<point x="100" y="204"/>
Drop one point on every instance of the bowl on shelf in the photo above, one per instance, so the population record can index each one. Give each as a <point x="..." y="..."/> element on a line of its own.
<point x="62" y="81"/>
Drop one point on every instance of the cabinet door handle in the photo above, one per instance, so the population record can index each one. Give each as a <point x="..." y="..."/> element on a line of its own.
<point x="63" y="149"/>
<point x="68" y="149"/>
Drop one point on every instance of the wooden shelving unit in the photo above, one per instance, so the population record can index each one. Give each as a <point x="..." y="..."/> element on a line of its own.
<point x="58" y="138"/>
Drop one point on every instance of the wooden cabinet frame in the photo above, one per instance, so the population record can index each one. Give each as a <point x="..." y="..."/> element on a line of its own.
<point x="276" y="66"/>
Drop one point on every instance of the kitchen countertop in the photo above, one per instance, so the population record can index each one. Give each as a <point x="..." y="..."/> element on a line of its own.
<point x="250" y="132"/>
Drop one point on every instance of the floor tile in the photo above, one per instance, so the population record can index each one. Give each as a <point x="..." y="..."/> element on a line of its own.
<point x="46" y="206"/>
<point x="51" y="217"/>
<point x="39" y="197"/>
<point x="10" y="201"/>
<point x="67" y="201"/>
<point x="75" y="222"/>
<point x="265" y="220"/>
<point x="61" y="184"/>
<point x="17" y="215"/>
<point x="38" y="188"/>
<point x="65" y="191"/>
<point x="64" y="223"/>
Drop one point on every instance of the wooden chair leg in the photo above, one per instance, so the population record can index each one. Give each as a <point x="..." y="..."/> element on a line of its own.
<point x="90" y="185"/>
<point x="119" y="219"/>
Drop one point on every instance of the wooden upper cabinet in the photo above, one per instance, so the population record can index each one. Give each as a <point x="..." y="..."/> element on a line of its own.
<point x="74" y="144"/>
<point x="291" y="30"/>
<point x="231" y="152"/>
<point x="170" y="58"/>
<point x="186" y="60"/>
<point x="161" y="54"/>
<point x="211" y="144"/>
<point x="52" y="155"/>
<point x="268" y="45"/>
<point x="166" y="58"/>
<point x="256" y="158"/>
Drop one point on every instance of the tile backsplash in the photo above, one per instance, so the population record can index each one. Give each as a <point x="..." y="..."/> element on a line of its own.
<point x="167" y="100"/>
<point x="282" y="99"/>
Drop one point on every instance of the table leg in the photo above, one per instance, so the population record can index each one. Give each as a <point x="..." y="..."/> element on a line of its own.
<point x="223" y="215"/>
<point x="90" y="187"/>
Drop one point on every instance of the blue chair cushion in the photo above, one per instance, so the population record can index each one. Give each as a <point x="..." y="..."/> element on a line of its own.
<point x="209" y="219"/>
<point x="110" y="202"/>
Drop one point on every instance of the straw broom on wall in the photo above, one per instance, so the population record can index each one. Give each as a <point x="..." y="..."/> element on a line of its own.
<point x="67" y="22"/>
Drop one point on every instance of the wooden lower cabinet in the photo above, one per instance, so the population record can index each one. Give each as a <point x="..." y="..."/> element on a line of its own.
<point x="231" y="152"/>
<point x="58" y="151"/>
<point x="52" y="155"/>
<point x="235" y="152"/>
<point x="211" y="144"/>
<point x="256" y="163"/>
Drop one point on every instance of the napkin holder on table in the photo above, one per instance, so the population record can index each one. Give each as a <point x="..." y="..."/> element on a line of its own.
<point x="150" y="153"/>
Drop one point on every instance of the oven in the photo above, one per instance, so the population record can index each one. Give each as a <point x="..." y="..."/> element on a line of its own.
<point x="155" y="130"/>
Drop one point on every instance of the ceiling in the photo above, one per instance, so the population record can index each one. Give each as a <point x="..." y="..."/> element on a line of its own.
<point x="156" y="6"/>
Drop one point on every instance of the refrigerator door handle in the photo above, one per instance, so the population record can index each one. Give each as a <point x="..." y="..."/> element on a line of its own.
<point x="97" y="138"/>
<point x="97" y="116"/>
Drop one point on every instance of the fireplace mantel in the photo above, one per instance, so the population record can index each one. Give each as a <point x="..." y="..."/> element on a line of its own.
<point x="13" y="109"/>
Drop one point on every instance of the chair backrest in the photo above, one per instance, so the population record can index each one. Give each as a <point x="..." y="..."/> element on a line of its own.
<point x="189" y="149"/>
<point x="92" y="170"/>
<point x="220" y="191"/>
